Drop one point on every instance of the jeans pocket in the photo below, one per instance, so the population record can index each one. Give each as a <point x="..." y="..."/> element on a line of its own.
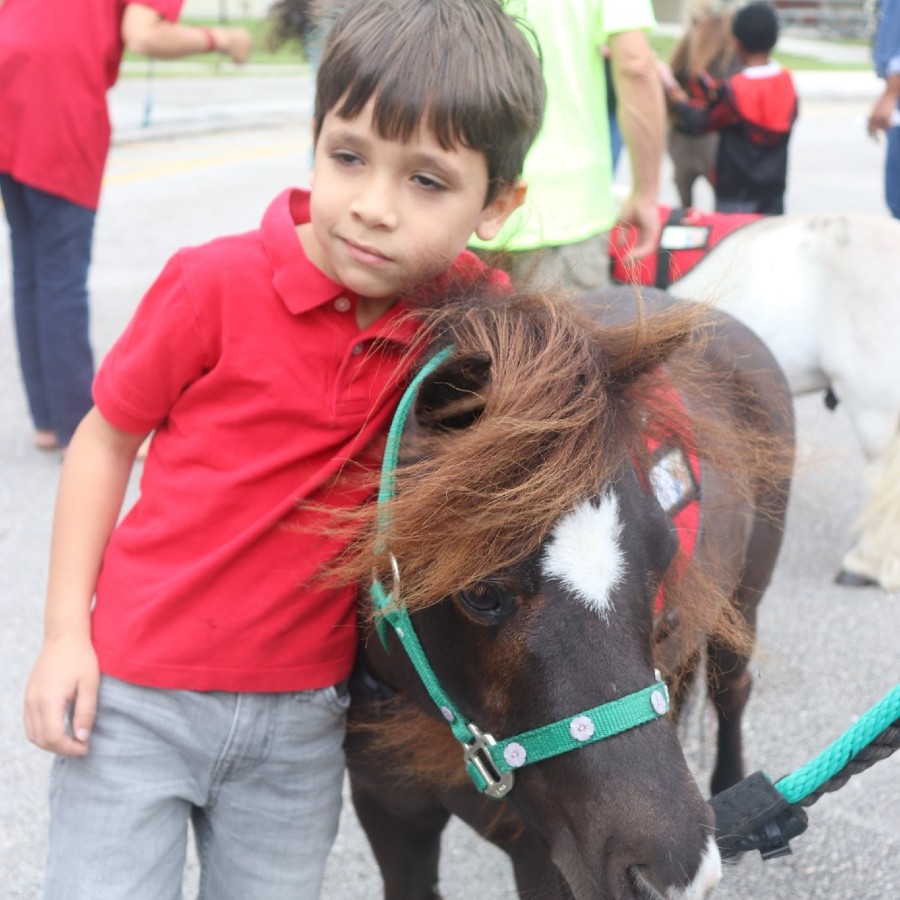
<point x="335" y="698"/>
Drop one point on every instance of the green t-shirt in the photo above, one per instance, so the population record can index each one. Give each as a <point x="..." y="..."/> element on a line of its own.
<point x="569" y="171"/>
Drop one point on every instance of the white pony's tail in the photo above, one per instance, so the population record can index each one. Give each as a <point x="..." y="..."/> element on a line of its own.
<point x="876" y="553"/>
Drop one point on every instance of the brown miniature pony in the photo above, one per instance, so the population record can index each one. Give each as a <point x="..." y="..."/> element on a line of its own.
<point x="529" y="531"/>
<point x="705" y="53"/>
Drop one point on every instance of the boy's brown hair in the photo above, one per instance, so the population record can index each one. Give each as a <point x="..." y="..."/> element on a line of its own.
<point x="461" y="68"/>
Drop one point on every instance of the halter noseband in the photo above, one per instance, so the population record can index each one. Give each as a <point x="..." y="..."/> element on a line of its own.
<point x="489" y="762"/>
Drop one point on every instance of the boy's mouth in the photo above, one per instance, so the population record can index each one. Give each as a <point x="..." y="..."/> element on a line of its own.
<point x="364" y="253"/>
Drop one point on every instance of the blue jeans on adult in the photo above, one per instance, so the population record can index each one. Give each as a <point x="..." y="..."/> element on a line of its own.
<point x="51" y="252"/>
<point x="892" y="172"/>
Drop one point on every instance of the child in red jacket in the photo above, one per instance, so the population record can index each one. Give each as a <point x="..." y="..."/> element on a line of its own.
<point x="754" y="111"/>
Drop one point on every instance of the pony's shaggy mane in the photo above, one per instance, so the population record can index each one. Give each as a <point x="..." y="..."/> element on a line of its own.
<point x="567" y="400"/>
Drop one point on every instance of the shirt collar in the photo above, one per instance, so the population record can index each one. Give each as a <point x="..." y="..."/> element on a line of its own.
<point x="300" y="284"/>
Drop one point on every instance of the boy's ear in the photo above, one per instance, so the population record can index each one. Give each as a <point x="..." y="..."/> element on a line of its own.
<point x="509" y="198"/>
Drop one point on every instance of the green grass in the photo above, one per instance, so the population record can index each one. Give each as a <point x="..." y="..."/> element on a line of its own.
<point x="292" y="55"/>
<point x="664" y="44"/>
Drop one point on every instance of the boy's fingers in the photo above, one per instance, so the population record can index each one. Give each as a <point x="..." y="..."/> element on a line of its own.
<point x="46" y="728"/>
<point x="84" y="711"/>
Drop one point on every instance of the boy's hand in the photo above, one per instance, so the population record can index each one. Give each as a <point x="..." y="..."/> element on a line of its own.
<point x="65" y="677"/>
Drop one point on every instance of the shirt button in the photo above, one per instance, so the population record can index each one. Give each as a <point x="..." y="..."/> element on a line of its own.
<point x="342" y="304"/>
<point x="357" y="349"/>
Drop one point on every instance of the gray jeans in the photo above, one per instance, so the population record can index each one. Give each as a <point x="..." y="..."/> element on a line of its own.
<point x="259" y="775"/>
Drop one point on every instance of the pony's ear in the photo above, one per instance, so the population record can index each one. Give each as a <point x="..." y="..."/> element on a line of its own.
<point x="638" y="358"/>
<point x="641" y="330"/>
<point x="452" y="396"/>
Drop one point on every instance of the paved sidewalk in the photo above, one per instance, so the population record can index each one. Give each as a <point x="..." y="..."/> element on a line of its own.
<point x="156" y="108"/>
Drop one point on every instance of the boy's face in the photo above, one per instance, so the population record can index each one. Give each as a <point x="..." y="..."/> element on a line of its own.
<point x="387" y="216"/>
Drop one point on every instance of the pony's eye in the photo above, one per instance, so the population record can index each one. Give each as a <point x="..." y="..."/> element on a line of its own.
<point x="484" y="597"/>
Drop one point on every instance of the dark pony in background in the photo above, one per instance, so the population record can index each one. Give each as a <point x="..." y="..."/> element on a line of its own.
<point x="702" y="57"/>
<point x="542" y="466"/>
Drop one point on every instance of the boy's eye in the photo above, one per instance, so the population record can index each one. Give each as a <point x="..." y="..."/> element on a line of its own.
<point x="429" y="183"/>
<point x="345" y="157"/>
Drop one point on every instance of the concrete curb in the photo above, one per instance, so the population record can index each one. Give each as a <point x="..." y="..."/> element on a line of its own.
<point x="144" y="109"/>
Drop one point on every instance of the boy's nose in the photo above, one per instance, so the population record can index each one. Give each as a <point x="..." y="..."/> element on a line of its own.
<point x="375" y="206"/>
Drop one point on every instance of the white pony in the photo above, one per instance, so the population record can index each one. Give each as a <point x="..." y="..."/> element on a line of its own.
<point x="823" y="291"/>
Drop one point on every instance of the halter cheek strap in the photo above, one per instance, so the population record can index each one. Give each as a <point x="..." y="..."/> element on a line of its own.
<point x="491" y="763"/>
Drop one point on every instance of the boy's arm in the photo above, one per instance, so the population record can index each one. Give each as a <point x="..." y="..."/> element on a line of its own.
<point x="92" y="486"/>
<point x="145" y="31"/>
<point x="641" y="111"/>
<point x="715" y="112"/>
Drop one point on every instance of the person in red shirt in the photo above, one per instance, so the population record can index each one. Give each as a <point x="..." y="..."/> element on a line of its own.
<point x="196" y="648"/>
<point x="754" y="112"/>
<point x="57" y="61"/>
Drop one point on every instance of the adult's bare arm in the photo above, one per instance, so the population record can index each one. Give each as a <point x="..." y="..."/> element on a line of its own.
<point x="145" y="31"/>
<point x="641" y="111"/>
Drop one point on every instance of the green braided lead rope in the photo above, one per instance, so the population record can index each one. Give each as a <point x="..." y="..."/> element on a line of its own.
<point x="873" y="737"/>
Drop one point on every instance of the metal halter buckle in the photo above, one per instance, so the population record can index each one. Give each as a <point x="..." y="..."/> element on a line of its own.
<point x="476" y="753"/>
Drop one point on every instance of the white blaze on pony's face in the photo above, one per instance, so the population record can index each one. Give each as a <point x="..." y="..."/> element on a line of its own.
<point x="585" y="554"/>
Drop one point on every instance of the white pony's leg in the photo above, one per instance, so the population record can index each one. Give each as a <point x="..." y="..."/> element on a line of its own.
<point x="876" y="554"/>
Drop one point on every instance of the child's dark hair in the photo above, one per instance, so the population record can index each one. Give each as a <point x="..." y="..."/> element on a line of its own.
<point x="755" y="27"/>
<point x="461" y="68"/>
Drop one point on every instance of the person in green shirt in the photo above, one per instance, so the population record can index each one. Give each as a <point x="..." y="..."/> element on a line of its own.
<point x="560" y="235"/>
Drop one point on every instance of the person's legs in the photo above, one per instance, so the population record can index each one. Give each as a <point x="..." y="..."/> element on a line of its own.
<point x="615" y="141"/>
<point x="892" y="172"/>
<point x="683" y="174"/>
<point x="25" y="304"/>
<point x="769" y="206"/>
<point x="772" y="205"/>
<point x="260" y="774"/>
<point x="275" y="799"/>
<point x="119" y="815"/>
<point x="581" y="266"/>
<point x="63" y="235"/>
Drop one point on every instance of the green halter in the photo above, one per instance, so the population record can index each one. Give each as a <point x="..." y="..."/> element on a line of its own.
<point x="491" y="763"/>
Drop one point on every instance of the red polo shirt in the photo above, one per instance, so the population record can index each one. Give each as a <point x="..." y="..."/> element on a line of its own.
<point x="248" y="362"/>
<point x="58" y="58"/>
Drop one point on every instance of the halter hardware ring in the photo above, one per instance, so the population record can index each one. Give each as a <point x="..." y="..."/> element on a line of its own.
<point x="394" y="593"/>
<point x="477" y="756"/>
<point x="395" y="578"/>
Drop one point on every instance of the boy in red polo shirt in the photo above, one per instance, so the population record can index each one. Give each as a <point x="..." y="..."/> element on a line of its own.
<point x="207" y="682"/>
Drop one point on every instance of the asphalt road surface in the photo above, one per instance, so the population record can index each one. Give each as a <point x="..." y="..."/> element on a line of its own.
<point x="825" y="653"/>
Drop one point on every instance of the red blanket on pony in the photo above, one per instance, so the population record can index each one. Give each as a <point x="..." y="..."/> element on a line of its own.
<point x="687" y="236"/>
